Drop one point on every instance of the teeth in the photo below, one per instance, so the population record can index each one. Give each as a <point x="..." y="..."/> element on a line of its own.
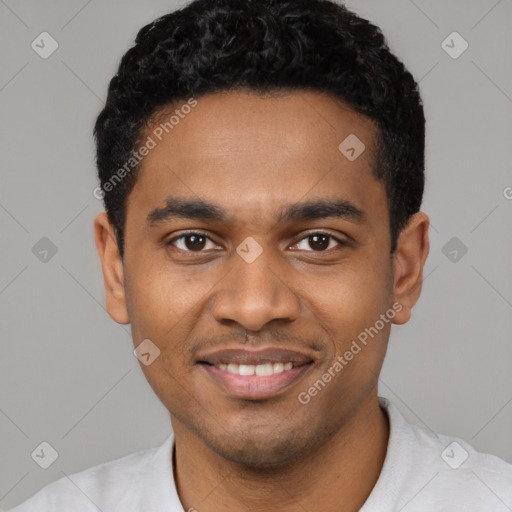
<point x="278" y="367"/>
<point x="246" y="369"/>
<point x="262" y="370"/>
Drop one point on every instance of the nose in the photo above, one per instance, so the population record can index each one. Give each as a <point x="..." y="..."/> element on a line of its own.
<point x="254" y="294"/>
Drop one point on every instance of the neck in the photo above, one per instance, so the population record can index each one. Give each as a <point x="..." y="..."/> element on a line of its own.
<point x="344" y="470"/>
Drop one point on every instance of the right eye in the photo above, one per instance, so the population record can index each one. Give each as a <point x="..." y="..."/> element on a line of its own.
<point x="193" y="241"/>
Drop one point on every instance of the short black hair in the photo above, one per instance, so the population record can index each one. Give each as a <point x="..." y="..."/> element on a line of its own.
<point x="264" y="46"/>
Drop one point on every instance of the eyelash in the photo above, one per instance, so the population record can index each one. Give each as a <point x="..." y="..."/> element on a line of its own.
<point x="190" y="233"/>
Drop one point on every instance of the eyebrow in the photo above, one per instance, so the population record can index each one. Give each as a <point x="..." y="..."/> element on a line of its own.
<point x="201" y="210"/>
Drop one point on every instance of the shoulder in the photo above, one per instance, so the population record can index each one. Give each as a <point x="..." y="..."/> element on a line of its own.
<point x="100" y="487"/>
<point x="426" y="470"/>
<point x="450" y="468"/>
<point x="464" y="472"/>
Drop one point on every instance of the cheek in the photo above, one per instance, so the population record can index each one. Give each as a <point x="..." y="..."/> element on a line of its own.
<point x="352" y="294"/>
<point x="160" y="297"/>
<point x="350" y="305"/>
<point x="163" y="308"/>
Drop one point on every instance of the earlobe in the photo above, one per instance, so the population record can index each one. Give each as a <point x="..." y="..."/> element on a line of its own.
<point x="112" y="269"/>
<point x="408" y="263"/>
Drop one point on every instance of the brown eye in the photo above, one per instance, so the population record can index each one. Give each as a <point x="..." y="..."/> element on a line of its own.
<point x="318" y="242"/>
<point x="195" y="242"/>
<point x="191" y="242"/>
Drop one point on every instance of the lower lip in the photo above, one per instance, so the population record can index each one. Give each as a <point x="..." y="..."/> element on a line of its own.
<point x="255" y="386"/>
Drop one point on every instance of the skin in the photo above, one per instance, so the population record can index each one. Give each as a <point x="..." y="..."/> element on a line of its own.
<point x="251" y="155"/>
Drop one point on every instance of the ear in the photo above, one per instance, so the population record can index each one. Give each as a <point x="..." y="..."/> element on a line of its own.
<point x="408" y="262"/>
<point x="112" y="268"/>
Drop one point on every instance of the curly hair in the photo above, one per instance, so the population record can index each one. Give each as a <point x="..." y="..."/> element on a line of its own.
<point x="265" y="46"/>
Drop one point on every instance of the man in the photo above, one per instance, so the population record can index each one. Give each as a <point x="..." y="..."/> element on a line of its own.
<point x="262" y="168"/>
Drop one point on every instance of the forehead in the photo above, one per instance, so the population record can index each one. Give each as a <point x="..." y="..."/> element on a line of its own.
<point x="252" y="153"/>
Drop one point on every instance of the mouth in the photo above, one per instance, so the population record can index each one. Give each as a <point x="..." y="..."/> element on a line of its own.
<point x="256" y="374"/>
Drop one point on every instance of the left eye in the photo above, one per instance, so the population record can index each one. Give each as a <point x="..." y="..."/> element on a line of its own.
<point x="319" y="242"/>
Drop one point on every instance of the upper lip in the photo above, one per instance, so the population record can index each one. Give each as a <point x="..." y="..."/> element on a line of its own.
<point x="255" y="356"/>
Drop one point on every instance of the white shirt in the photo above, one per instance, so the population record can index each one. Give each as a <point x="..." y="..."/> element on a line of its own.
<point x="422" y="472"/>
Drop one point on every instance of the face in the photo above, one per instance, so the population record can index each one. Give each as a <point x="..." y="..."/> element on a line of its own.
<point x="253" y="241"/>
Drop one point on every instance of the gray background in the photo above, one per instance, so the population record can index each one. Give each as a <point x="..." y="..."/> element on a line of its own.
<point x="67" y="371"/>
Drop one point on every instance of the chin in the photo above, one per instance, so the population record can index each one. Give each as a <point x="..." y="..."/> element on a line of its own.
<point x="261" y="451"/>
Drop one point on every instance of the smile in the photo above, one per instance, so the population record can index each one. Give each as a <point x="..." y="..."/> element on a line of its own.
<point x="256" y="373"/>
<point x="262" y="370"/>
